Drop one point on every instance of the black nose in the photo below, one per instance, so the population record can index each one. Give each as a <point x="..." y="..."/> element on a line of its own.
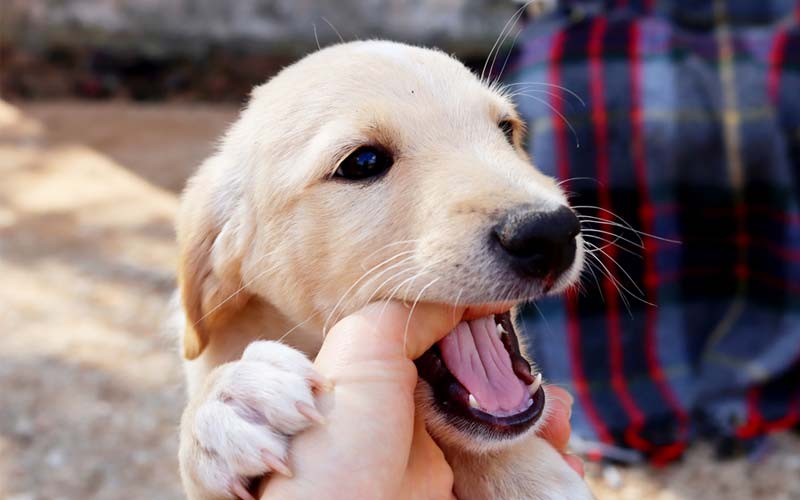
<point x="539" y="244"/>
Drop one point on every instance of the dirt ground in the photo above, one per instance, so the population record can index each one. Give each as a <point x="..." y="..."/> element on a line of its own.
<point x="90" y="387"/>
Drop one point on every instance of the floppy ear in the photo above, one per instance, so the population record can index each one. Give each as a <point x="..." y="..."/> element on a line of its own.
<point x="211" y="240"/>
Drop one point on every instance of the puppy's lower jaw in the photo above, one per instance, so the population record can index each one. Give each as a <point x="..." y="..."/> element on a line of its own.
<point x="480" y="385"/>
<point x="529" y="468"/>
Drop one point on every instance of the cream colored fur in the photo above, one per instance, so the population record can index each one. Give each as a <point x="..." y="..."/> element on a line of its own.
<point x="273" y="248"/>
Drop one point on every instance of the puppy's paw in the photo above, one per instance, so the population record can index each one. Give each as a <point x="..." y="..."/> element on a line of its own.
<point x="239" y="426"/>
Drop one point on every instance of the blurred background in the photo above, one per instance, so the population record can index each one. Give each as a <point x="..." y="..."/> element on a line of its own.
<point x="106" y="107"/>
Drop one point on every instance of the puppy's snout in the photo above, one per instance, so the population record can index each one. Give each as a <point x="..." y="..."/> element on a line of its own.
<point x="539" y="244"/>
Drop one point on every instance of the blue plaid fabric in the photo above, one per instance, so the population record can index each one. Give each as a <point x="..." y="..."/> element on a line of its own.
<point x="681" y="119"/>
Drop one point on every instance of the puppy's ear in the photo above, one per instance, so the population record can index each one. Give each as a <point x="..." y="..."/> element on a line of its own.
<point x="212" y="234"/>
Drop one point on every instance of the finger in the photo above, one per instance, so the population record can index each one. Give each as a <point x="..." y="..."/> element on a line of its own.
<point x="424" y="449"/>
<point x="384" y="330"/>
<point x="428" y="474"/>
<point x="556" y="392"/>
<point x="556" y="429"/>
<point x="370" y="410"/>
<point x="575" y="462"/>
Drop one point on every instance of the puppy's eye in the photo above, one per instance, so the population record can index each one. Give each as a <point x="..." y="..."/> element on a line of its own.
<point x="363" y="163"/>
<point x="508" y="129"/>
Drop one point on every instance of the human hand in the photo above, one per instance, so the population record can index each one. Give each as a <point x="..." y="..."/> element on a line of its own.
<point x="373" y="444"/>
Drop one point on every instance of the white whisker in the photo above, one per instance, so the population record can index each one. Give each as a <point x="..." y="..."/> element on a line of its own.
<point x="409" y="282"/>
<point x="558" y="113"/>
<point x="316" y="38"/>
<point x="618" y="217"/>
<point x="610" y="277"/>
<point x="565" y="89"/>
<point x="605" y="222"/>
<point x="591" y="266"/>
<point x="295" y="327"/>
<point x="390" y="278"/>
<point x="619" y="286"/>
<point x="616" y="237"/>
<point x="614" y="261"/>
<point x="509" y="23"/>
<point x="559" y="183"/>
<point x="394" y="243"/>
<point x="511" y="95"/>
<point x="611" y="244"/>
<point x="241" y="288"/>
<point x="546" y="323"/>
<point x="363" y="276"/>
<point x="334" y="29"/>
<point x="508" y="56"/>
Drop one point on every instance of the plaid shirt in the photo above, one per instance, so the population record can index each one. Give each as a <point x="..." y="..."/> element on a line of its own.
<point x="690" y="130"/>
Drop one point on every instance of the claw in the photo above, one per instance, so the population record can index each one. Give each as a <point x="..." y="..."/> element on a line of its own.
<point x="319" y="382"/>
<point x="276" y="463"/>
<point x="241" y="492"/>
<point x="310" y="412"/>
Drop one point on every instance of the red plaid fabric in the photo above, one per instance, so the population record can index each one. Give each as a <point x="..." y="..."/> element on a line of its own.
<point x="681" y="120"/>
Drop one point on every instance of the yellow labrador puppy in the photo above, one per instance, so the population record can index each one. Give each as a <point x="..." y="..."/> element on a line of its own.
<point x="366" y="171"/>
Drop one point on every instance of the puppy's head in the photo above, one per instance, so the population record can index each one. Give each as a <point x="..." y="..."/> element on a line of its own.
<point x="376" y="170"/>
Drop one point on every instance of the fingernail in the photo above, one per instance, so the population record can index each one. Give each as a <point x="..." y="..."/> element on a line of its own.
<point x="570" y="399"/>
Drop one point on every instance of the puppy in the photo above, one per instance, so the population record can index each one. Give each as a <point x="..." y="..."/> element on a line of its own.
<point x="366" y="171"/>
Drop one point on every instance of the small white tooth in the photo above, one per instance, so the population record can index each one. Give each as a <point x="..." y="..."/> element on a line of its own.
<point x="473" y="402"/>
<point x="537" y="382"/>
<point x="500" y="329"/>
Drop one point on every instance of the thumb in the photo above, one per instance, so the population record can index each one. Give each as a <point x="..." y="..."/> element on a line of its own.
<point x="384" y="331"/>
<point x="370" y="413"/>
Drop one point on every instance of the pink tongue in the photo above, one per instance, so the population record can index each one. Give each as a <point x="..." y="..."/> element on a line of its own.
<point x="475" y="355"/>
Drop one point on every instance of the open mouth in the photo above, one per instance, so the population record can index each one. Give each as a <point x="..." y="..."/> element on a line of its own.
<point x="479" y="377"/>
